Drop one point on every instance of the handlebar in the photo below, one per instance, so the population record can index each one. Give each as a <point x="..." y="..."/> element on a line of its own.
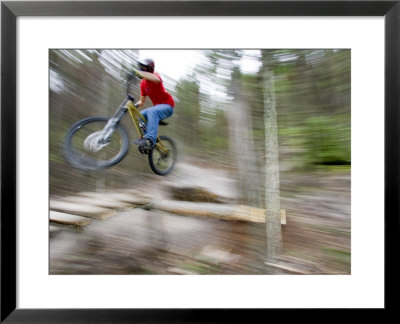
<point x="131" y="98"/>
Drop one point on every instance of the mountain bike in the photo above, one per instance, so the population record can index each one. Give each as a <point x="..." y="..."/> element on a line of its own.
<point x="95" y="143"/>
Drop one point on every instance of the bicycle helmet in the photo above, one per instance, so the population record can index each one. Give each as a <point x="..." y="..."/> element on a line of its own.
<point x="146" y="65"/>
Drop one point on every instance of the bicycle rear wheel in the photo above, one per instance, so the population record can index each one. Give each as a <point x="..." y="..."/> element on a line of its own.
<point x="87" y="148"/>
<point x="162" y="161"/>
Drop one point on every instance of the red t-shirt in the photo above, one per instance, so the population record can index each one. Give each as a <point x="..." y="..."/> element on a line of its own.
<point x="156" y="92"/>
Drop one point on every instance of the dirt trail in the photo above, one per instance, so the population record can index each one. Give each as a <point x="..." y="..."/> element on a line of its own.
<point x="316" y="238"/>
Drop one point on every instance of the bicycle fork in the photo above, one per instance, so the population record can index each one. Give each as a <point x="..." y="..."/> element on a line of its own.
<point x="109" y="128"/>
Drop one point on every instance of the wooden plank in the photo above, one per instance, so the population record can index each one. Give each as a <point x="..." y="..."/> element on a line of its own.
<point x="99" y="201"/>
<point x="287" y="268"/>
<point x="251" y="214"/>
<point x="215" y="210"/>
<point x="283" y="216"/>
<point x="194" y="209"/>
<point x="81" y="209"/>
<point x="68" y="219"/>
<point x="131" y="198"/>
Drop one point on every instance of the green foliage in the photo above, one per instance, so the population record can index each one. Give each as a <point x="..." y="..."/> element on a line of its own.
<point x="312" y="89"/>
<point x="327" y="140"/>
<point x="197" y="121"/>
<point x="187" y="110"/>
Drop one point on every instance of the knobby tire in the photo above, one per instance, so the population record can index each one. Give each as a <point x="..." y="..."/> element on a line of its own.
<point x="173" y="155"/>
<point x="88" y="164"/>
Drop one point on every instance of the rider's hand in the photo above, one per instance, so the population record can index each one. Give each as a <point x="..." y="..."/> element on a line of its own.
<point x="137" y="73"/>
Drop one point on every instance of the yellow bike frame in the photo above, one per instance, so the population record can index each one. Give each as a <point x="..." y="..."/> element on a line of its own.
<point x="136" y="116"/>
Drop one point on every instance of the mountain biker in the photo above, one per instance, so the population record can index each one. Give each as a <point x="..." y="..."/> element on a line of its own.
<point x="152" y="86"/>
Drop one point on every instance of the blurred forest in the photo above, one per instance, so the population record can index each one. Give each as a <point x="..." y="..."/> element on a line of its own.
<point x="275" y="124"/>
<point x="219" y="113"/>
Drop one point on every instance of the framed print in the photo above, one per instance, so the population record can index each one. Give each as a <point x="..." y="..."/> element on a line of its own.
<point x="283" y="136"/>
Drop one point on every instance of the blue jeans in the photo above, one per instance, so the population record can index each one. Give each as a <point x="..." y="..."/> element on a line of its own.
<point x="154" y="115"/>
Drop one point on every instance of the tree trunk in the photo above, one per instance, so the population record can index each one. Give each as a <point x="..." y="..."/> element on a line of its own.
<point x="242" y="146"/>
<point x="272" y="193"/>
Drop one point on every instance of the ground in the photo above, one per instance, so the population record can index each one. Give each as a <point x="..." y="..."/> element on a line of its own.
<point x="316" y="237"/>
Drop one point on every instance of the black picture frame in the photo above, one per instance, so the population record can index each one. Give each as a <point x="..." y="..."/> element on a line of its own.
<point x="10" y="10"/>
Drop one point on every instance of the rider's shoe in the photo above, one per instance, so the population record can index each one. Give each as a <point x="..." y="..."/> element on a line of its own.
<point x="144" y="143"/>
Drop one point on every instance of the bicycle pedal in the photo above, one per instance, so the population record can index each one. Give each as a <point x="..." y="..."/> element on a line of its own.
<point x="143" y="150"/>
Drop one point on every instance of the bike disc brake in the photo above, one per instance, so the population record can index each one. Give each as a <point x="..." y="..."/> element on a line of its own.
<point x="95" y="142"/>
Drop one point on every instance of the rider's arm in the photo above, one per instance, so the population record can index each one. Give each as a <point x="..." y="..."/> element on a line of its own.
<point x="141" y="102"/>
<point x="148" y="76"/>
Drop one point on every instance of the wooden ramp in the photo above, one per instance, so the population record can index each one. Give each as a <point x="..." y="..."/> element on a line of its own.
<point x="100" y="201"/>
<point x="221" y="211"/>
<point x="80" y="209"/>
<point x="67" y="219"/>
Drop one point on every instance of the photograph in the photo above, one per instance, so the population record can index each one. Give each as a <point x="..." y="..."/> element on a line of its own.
<point x="200" y="161"/>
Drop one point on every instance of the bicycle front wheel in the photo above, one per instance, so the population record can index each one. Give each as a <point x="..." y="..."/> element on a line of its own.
<point x="163" y="157"/>
<point x="88" y="147"/>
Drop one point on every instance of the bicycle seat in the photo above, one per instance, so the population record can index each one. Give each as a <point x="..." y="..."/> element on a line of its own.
<point x="162" y="123"/>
